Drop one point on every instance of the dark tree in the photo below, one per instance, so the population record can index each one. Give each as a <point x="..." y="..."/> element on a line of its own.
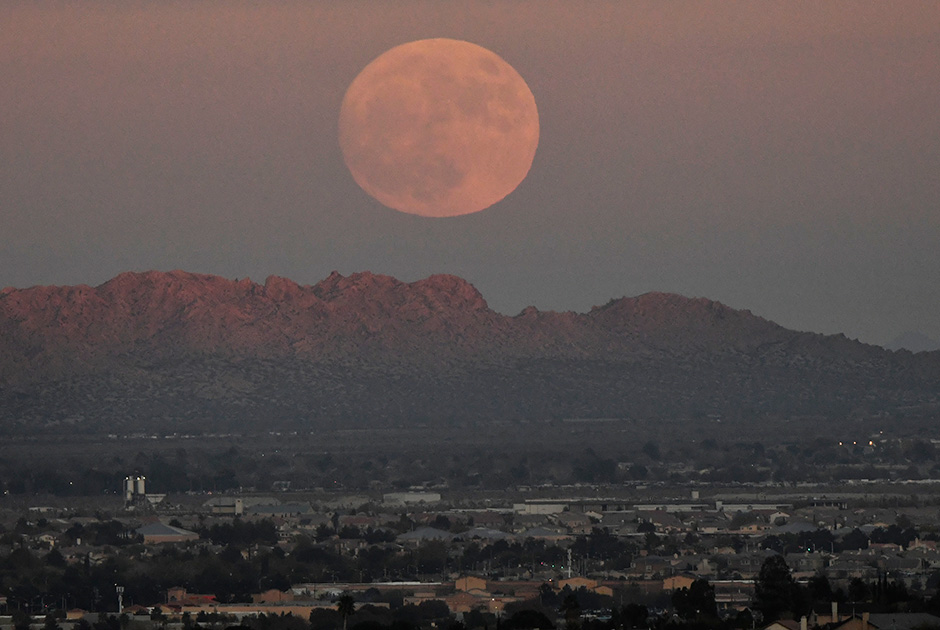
<point x="324" y="619"/>
<point x="744" y="620"/>
<point x="698" y="599"/>
<point x="820" y="591"/>
<point x="571" y="611"/>
<point x="21" y="620"/>
<point x="651" y="450"/>
<point x="528" y="619"/>
<point x="634" y="616"/>
<point x="774" y="588"/>
<point x="856" y="539"/>
<point x="433" y="609"/>
<point x="345" y="606"/>
<point x="547" y="595"/>
<point x="859" y="590"/>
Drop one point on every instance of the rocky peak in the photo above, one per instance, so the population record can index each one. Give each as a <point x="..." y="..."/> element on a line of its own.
<point x="450" y="292"/>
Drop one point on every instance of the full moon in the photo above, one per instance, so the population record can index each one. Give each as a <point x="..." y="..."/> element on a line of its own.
<point x="438" y="128"/>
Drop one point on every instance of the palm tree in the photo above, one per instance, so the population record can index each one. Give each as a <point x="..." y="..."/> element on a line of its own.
<point x="346" y="606"/>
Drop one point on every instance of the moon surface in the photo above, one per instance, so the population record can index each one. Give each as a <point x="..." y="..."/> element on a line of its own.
<point x="438" y="128"/>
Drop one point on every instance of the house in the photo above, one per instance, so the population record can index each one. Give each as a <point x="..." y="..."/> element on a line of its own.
<point x="664" y="522"/>
<point x="847" y="566"/>
<point x="794" y="527"/>
<point x="282" y="510"/>
<point x="488" y="519"/>
<point x="733" y="594"/>
<point x="423" y="534"/>
<point x="787" y="624"/>
<point x="360" y="521"/>
<point x="522" y="522"/>
<point x="903" y="621"/>
<point x="573" y="519"/>
<point x="746" y="564"/>
<point x="462" y="601"/>
<point x="676" y="582"/>
<point x="233" y="506"/>
<point x="483" y="534"/>
<point x="178" y="596"/>
<point x="272" y="596"/>
<point x="543" y="533"/>
<point x="48" y="539"/>
<point x="707" y="522"/>
<point x="917" y="543"/>
<point x="751" y="527"/>
<point x="574" y="583"/>
<point x="156" y="533"/>
<point x="619" y="523"/>
<point x="540" y="506"/>
<point x="588" y="584"/>
<point x="648" y="567"/>
<point x="807" y="563"/>
<point x="889" y="621"/>
<point x="470" y="583"/>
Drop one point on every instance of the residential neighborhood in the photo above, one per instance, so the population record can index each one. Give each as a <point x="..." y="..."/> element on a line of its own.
<point x="428" y="558"/>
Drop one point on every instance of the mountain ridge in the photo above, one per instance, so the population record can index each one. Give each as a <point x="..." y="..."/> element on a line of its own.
<point x="211" y="313"/>
<point x="371" y="346"/>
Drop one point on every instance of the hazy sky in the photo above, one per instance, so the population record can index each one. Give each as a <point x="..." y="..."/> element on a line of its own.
<point x="778" y="156"/>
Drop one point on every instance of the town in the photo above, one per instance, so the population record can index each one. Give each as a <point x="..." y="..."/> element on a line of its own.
<point x="711" y="557"/>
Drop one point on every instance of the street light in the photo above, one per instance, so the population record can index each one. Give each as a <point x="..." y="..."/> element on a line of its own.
<point x="120" y="595"/>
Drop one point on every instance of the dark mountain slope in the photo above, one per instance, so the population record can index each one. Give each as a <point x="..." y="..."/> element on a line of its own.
<point x="163" y="352"/>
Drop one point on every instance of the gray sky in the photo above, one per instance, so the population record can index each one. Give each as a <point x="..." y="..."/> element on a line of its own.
<point x="777" y="156"/>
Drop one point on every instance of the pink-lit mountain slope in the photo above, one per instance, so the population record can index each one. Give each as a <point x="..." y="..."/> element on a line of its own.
<point x="200" y="351"/>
